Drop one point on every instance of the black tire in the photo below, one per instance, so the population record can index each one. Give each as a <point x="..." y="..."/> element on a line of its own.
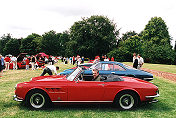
<point x="37" y="99"/>
<point x="126" y="100"/>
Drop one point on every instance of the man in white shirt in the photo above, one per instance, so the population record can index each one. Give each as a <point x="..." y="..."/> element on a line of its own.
<point x="14" y="61"/>
<point x="50" y="69"/>
<point x="140" y="61"/>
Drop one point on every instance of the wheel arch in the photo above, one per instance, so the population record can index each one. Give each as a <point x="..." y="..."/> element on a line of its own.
<point x="37" y="89"/>
<point x="127" y="90"/>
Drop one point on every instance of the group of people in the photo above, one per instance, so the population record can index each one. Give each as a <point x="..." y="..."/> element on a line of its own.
<point x="27" y="60"/>
<point x="138" y="61"/>
<point x="103" y="58"/>
<point x="73" y="60"/>
<point x="5" y="63"/>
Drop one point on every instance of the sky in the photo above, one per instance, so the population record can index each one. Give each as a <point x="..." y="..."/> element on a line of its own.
<point x="21" y="18"/>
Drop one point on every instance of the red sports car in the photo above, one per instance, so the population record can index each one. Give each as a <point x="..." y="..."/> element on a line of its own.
<point x="124" y="92"/>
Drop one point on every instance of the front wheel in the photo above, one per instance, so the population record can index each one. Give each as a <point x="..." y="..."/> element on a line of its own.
<point x="37" y="99"/>
<point x="126" y="100"/>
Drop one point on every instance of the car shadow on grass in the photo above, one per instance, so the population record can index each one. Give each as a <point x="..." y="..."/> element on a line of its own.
<point x="158" y="107"/>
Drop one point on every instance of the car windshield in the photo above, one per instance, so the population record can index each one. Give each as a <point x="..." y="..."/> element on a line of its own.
<point x="94" y="66"/>
<point x="74" y="74"/>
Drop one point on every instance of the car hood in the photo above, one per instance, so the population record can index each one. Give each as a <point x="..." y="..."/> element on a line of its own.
<point x="140" y="71"/>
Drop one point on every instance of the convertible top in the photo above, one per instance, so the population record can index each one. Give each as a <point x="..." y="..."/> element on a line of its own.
<point x="112" y="78"/>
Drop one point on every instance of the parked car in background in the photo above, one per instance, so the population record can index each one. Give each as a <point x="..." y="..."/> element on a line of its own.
<point x="84" y="66"/>
<point x="116" y="68"/>
<point x="21" y="64"/>
<point x="124" y="92"/>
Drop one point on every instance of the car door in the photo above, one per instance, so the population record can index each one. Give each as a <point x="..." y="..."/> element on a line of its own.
<point x="86" y="91"/>
<point x="119" y="70"/>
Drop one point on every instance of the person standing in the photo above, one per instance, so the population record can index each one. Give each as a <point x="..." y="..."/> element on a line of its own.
<point x="106" y="58"/>
<point x="140" y="61"/>
<point x="33" y="61"/>
<point x="135" y="61"/>
<point x="79" y="60"/>
<point x="73" y="60"/>
<point x="82" y="59"/>
<point x="1" y="66"/>
<point x="50" y="61"/>
<point x="14" y="61"/>
<point x="97" y="59"/>
<point x="27" y="63"/>
<point x="7" y="61"/>
<point x="112" y="58"/>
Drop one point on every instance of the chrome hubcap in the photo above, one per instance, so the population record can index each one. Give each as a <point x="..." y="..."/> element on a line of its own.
<point x="126" y="101"/>
<point x="37" y="100"/>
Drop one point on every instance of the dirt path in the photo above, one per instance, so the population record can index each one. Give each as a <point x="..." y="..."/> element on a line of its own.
<point x="165" y="75"/>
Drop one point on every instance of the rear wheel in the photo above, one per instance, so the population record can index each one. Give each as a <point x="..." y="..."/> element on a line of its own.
<point x="126" y="100"/>
<point x="37" y="99"/>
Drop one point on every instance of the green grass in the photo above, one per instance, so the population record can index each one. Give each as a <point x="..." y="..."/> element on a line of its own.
<point x="165" y="108"/>
<point x="159" y="67"/>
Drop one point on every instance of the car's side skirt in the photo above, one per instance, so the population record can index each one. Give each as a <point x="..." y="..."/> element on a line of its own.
<point x="82" y="101"/>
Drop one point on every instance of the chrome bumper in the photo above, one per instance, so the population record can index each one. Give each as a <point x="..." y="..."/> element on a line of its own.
<point x="17" y="99"/>
<point x="152" y="96"/>
<point x="148" y="79"/>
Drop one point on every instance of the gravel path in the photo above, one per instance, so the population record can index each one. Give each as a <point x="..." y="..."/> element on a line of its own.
<point x="165" y="75"/>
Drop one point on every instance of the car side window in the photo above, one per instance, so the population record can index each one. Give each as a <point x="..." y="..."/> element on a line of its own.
<point x="107" y="67"/>
<point x="118" y="68"/>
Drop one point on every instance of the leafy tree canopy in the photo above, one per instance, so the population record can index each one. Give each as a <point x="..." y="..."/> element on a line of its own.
<point x="50" y="43"/>
<point x="12" y="47"/>
<point x="93" y="36"/>
<point x="28" y="44"/>
<point x="156" y="31"/>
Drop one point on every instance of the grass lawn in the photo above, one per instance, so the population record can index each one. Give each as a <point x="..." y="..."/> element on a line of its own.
<point x="165" y="108"/>
<point x="159" y="67"/>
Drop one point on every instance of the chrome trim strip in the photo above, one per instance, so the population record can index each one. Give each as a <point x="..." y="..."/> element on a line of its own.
<point x="82" y="101"/>
<point x="16" y="99"/>
<point x="152" y="96"/>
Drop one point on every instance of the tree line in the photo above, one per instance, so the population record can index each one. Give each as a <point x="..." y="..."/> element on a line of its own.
<point x="98" y="35"/>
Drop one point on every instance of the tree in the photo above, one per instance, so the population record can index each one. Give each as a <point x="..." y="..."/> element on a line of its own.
<point x="50" y="43"/>
<point x="12" y="47"/>
<point x="156" y="31"/>
<point x="4" y="39"/>
<point x="63" y="39"/>
<point x="156" y="42"/>
<point x="128" y="35"/>
<point x="93" y="36"/>
<point x="29" y="45"/>
<point x="127" y="48"/>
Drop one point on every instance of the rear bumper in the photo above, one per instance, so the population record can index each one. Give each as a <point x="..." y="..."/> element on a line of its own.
<point x="17" y="99"/>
